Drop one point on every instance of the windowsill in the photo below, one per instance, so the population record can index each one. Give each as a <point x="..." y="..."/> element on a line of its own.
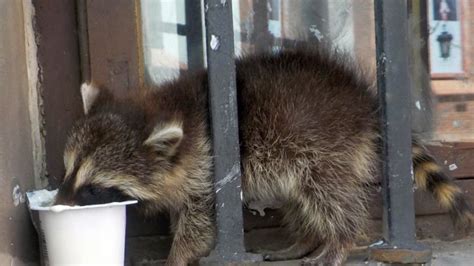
<point x="452" y="87"/>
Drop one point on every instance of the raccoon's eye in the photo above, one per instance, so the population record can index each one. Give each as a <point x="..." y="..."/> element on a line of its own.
<point x="95" y="191"/>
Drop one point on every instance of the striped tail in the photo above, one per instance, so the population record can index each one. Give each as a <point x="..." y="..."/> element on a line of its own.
<point x="430" y="176"/>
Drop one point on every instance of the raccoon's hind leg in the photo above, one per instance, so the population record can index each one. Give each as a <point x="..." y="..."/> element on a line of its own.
<point x="326" y="219"/>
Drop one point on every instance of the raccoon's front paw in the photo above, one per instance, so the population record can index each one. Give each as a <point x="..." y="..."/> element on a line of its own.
<point x="295" y="251"/>
<point x="282" y="255"/>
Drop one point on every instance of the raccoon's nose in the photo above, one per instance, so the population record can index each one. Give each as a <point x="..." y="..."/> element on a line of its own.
<point x="65" y="195"/>
<point x="63" y="201"/>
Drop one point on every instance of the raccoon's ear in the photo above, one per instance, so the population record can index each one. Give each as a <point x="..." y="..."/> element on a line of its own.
<point x="166" y="138"/>
<point x="93" y="96"/>
<point x="90" y="93"/>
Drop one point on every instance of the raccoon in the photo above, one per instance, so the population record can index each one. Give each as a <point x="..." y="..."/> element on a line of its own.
<point x="309" y="139"/>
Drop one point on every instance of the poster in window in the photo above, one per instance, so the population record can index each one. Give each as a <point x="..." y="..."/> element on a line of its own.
<point x="446" y="51"/>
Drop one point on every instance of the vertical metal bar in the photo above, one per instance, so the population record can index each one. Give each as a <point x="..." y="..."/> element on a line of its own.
<point x="225" y="135"/>
<point x="394" y="89"/>
<point x="194" y="44"/>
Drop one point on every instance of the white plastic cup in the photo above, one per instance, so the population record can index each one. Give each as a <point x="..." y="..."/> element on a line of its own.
<point x="82" y="235"/>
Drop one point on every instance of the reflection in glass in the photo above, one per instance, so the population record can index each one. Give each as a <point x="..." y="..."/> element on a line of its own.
<point x="173" y="43"/>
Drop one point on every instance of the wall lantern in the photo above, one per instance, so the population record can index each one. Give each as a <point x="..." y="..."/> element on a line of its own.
<point x="444" y="40"/>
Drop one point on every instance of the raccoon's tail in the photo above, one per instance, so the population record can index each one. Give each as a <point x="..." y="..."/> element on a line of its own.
<point x="430" y="176"/>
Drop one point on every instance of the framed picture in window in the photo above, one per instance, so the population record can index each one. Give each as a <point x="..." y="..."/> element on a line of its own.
<point x="446" y="40"/>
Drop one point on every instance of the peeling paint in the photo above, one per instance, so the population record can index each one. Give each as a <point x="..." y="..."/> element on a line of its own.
<point x="457" y="123"/>
<point x="18" y="196"/>
<point x="378" y="243"/>
<point x="383" y="58"/>
<point x="453" y="167"/>
<point x="231" y="176"/>
<point x="35" y="105"/>
<point x="418" y="105"/>
<point x="215" y="42"/>
<point x="317" y="33"/>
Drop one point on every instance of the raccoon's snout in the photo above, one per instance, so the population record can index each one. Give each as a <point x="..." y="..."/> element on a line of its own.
<point x="90" y="194"/>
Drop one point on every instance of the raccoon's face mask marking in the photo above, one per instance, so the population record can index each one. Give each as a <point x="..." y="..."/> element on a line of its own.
<point x="88" y="195"/>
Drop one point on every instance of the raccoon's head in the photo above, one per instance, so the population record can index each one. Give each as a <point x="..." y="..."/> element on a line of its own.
<point x="110" y="156"/>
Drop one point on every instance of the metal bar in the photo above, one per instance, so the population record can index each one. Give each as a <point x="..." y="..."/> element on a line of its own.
<point x="225" y="135"/>
<point x="394" y="89"/>
<point x="193" y="30"/>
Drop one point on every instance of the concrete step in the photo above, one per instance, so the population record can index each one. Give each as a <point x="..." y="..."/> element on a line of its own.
<point x="153" y="250"/>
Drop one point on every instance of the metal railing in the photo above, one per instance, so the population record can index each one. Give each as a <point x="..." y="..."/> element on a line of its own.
<point x="394" y="91"/>
<point x="394" y="88"/>
<point x="225" y="134"/>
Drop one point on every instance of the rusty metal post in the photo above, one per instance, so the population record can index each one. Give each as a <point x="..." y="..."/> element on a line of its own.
<point x="394" y="88"/>
<point x="225" y="136"/>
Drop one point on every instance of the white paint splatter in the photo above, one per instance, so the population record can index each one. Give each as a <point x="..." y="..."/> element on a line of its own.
<point x="378" y="243"/>
<point x="223" y="2"/>
<point x="17" y="196"/>
<point x="418" y="105"/>
<point x="453" y="167"/>
<point x="457" y="123"/>
<point x="231" y="176"/>
<point x="215" y="43"/>
<point x="314" y="30"/>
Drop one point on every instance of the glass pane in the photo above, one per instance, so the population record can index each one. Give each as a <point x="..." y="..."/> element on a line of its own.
<point x="452" y="84"/>
<point x="164" y="39"/>
<point x="269" y="25"/>
<point x="440" y="27"/>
